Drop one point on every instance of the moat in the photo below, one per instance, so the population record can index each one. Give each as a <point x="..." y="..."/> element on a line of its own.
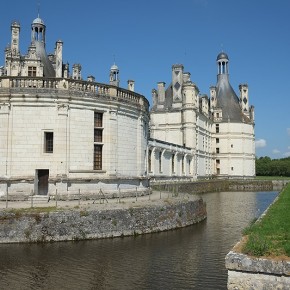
<point x="188" y="258"/>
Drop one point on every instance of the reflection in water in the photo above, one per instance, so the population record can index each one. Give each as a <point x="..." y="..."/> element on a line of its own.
<point x="189" y="258"/>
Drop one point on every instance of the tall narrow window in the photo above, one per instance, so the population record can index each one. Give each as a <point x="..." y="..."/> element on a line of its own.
<point x="98" y="135"/>
<point x="160" y="162"/>
<point x="98" y="119"/>
<point x="182" y="165"/>
<point x="98" y="157"/>
<point x="32" y="71"/>
<point x="98" y="138"/>
<point x="48" y="142"/>
<point x="172" y="163"/>
<point x="217" y="140"/>
<point x="217" y="150"/>
<point x="217" y="128"/>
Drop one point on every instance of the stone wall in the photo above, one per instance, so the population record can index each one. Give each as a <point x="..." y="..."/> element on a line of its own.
<point x="246" y="272"/>
<point x="219" y="185"/>
<point x="99" y="221"/>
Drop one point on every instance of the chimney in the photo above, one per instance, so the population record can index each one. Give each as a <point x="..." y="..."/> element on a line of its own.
<point x="131" y="85"/>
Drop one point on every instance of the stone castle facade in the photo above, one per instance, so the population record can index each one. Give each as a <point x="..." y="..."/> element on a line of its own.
<point x="60" y="133"/>
<point x="218" y="130"/>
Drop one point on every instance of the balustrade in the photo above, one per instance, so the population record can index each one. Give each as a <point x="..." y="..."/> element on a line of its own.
<point x="75" y="86"/>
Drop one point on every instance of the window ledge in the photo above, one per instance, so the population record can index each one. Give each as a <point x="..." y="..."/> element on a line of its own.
<point x="87" y="171"/>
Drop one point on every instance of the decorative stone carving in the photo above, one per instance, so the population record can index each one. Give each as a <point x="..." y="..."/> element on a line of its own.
<point x="63" y="109"/>
<point x="4" y="108"/>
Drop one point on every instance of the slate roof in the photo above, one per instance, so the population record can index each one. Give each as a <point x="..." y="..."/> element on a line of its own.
<point x="228" y="101"/>
<point x="48" y="69"/>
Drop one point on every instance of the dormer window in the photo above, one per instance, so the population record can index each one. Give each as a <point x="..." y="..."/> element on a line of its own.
<point x="32" y="71"/>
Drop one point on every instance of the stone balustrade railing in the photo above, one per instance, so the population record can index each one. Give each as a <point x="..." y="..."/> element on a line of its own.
<point x="79" y="87"/>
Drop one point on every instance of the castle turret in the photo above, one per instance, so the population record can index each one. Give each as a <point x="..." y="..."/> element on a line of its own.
<point x="38" y="30"/>
<point x="38" y="40"/>
<point x="189" y="112"/>
<point x="114" y="75"/>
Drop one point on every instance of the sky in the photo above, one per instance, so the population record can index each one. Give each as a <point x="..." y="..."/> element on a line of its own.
<point x="145" y="38"/>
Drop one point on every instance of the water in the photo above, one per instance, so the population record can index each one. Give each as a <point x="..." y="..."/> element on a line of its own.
<point x="189" y="258"/>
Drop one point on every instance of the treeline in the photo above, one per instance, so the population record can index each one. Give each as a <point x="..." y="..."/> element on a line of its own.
<point x="265" y="166"/>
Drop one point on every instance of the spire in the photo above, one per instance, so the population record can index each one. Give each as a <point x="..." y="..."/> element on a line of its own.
<point x="226" y="97"/>
<point x="38" y="8"/>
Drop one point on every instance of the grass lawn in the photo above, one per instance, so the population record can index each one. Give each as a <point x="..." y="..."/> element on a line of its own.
<point x="270" y="236"/>
<point x="272" y="178"/>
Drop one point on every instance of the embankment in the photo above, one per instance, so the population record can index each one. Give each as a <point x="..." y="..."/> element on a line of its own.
<point x="216" y="185"/>
<point x="269" y="236"/>
<point x="99" y="221"/>
<point x="245" y="272"/>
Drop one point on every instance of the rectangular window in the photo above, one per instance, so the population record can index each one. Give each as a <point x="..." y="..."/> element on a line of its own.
<point x="217" y="140"/>
<point x="98" y="157"/>
<point x="172" y="163"/>
<point x="217" y="150"/>
<point x="217" y="128"/>
<point x="98" y="120"/>
<point x="98" y="135"/>
<point x="48" y="142"/>
<point x="32" y="71"/>
<point x="217" y="161"/>
<point x="98" y="138"/>
<point x="160" y="162"/>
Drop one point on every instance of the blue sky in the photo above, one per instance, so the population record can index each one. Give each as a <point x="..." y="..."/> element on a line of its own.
<point x="146" y="37"/>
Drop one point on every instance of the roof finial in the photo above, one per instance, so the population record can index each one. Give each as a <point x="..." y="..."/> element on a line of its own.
<point x="222" y="47"/>
<point x="38" y="8"/>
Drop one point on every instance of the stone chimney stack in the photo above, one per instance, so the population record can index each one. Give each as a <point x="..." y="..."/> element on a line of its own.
<point x="131" y="85"/>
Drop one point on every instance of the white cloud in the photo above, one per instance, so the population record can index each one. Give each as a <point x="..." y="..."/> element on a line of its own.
<point x="287" y="154"/>
<point x="260" y="143"/>
<point x="288" y="131"/>
<point x="276" y="151"/>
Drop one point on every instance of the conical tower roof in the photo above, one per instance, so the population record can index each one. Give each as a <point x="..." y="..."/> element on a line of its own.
<point x="227" y="99"/>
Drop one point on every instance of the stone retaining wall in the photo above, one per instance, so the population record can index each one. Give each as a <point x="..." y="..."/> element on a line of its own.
<point x="246" y="272"/>
<point x="91" y="222"/>
<point x="220" y="185"/>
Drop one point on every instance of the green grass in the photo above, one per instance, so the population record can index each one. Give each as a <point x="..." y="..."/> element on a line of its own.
<point x="271" y="234"/>
<point x="272" y="178"/>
